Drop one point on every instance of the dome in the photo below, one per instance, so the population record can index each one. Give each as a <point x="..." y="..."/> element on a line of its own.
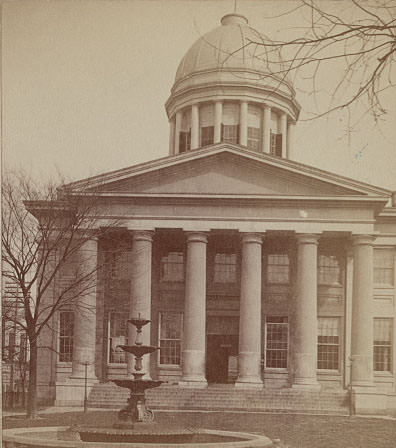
<point x="232" y="46"/>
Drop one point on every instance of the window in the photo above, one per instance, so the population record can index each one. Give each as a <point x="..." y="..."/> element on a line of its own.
<point x="276" y="144"/>
<point x="329" y="270"/>
<point x="225" y="268"/>
<point x="278" y="268"/>
<point x="172" y="267"/>
<point x="230" y="133"/>
<point x="66" y="325"/>
<point x="118" y="335"/>
<point x="276" y="342"/>
<point x="383" y="266"/>
<point x="328" y="342"/>
<point x="184" y="141"/>
<point x="383" y="345"/>
<point x="253" y="142"/>
<point x="207" y="135"/>
<point x="170" y="338"/>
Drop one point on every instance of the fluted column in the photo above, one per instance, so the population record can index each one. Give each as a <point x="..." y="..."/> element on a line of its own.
<point x="283" y="126"/>
<point x="305" y="314"/>
<point x="249" y="357"/>
<point x="178" y="122"/>
<point x="140" y="300"/>
<point x="218" y="121"/>
<point x="172" y="127"/>
<point x="243" y="123"/>
<point x="266" y="129"/>
<point x="290" y="140"/>
<point x="362" y="313"/>
<point x="194" y="126"/>
<point x="84" y="331"/>
<point x="193" y="365"/>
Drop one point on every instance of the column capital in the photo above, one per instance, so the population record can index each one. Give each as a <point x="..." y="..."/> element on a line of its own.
<point x="197" y="237"/>
<point x="363" y="240"/>
<point x="142" y="235"/>
<point x="266" y="107"/>
<point x="252" y="238"/>
<point x="307" y="238"/>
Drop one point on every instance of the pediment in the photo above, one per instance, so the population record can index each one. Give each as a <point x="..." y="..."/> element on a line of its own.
<point x="229" y="171"/>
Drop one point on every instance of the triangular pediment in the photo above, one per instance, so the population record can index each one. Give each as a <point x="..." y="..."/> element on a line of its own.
<point x="228" y="170"/>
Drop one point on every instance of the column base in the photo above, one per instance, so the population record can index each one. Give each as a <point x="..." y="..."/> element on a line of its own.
<point x="70" y="392"/>
<point x="254" y="382"/>
<point x="196" y="381"/>
<point x="308" y="385"/>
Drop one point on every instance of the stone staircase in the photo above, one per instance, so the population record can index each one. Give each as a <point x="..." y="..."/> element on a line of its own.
<point x="226" y="397"/>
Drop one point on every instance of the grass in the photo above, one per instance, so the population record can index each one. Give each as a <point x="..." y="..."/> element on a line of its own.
<point x="295" y="431"/>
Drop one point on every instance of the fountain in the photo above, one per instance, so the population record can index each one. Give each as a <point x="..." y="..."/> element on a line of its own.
<point x="135" y="426"/>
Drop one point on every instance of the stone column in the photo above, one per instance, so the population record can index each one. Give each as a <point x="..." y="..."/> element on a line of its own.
<point x="290" y="140"/>
<point x="178" y="122"/>
<point x="243" y="123"/>
<point x="283" y="126"/>
<point x="194" y="318"/>
<point x="218" y="121"/>
<point x="250" y="313"/>
<point x="305" y="314"/>
<point x="140" y="300"/>
<point x="172" y="127"/>
<point x="362" y="313"/>
<point x="84" y="332"/>
<point x="266" y="129"/>
<point x="194" y="126"/>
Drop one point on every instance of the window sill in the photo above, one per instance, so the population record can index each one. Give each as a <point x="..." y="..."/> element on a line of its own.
<point x="117" y="364"/>
<point x="380" y="374"/>
<point x="275" y="370"/>
<point x="169" y="366"/>
<point x="328" y="372"/>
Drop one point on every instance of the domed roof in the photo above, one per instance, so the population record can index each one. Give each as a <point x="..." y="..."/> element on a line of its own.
<point x="234" y="45"/>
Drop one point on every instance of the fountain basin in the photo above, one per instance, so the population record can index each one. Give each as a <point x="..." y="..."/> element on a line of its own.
<point x="137" y="386"/>
<point x="59" y="437"/>
<point x="138" y="350"/>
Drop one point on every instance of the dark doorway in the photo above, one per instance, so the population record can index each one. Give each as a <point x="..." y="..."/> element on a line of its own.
<point x="219" y="348"/>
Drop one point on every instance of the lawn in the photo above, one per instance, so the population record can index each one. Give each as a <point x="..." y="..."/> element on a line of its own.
<point x="295" y="431"/>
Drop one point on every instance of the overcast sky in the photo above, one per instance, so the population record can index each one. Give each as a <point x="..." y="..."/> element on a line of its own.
<point x="85" y="82"/>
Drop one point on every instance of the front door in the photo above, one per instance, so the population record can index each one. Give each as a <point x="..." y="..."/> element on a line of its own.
<point x="219" y="348"/>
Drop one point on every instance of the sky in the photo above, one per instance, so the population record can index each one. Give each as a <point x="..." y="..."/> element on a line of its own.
<point x="85" y="82"/>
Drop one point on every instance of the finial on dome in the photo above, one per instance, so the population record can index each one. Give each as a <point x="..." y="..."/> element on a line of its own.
<point x="233" y="18"/>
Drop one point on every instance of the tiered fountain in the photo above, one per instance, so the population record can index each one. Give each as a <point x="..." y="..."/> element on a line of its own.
<point x="135" y="426"/>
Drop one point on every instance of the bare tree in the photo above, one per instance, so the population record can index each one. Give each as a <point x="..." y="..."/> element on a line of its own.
<point x="44" y="229"/>
<point x="346" y="51"/>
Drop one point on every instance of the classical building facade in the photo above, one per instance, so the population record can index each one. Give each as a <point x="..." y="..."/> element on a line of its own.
<point x="256" y="270"/>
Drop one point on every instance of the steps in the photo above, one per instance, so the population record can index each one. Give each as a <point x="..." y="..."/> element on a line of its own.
<point x="226" y="397"/>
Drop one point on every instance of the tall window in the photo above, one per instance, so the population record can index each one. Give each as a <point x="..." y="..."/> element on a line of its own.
<point x="66" y="326"/>
<point x="184" y="141"/>
<point x="172" y="267"/>
<point x="118" y="333"/>
<point x="276" y="144"/>
<point x="328" y="342"/>
<point x="278" y="268"/>
<point x="207" y="135"/>
<point x="383" y="267"/>
<point x="329" y="270"/>
<point x="225" y="268"/>
<point x="253" y="142"/>
<point x="383" y="344"/>
<point x="276" y="342"/>
<point x="230" y="133"/>
<point x="170" y="338"/>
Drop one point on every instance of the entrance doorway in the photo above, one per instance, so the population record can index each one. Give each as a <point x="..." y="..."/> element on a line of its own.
<point x="221" y="354"/>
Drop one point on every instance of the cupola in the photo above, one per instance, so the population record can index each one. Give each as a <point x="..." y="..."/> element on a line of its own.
<point x="231" y="87"/>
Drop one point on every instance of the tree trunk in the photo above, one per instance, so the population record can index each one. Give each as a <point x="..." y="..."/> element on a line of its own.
<point x="31" y="411"/>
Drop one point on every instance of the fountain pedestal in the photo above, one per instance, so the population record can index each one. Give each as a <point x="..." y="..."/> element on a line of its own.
<point x="136" y="411"/>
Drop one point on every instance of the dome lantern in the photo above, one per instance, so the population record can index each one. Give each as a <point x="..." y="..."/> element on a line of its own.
<point x="229" y="87"/>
